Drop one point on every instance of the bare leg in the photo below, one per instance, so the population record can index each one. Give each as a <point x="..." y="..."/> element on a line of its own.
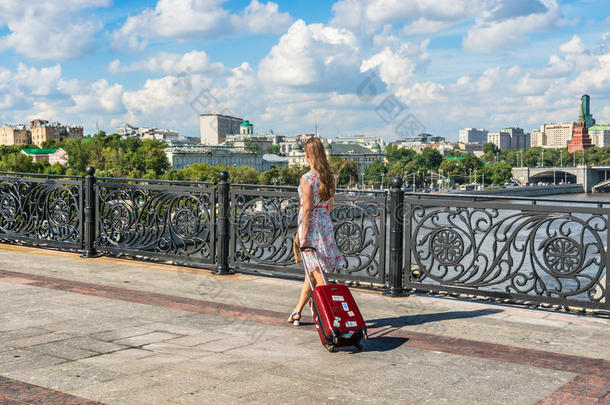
<point x="306" y="291"/>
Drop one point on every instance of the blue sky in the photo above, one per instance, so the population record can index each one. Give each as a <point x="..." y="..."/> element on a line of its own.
<point x="436" y="65"/>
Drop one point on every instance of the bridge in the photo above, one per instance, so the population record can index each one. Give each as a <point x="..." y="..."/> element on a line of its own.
<point x="593" y="178"/>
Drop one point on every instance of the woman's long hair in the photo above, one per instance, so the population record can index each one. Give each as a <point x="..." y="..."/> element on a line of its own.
<point x="319" y="162"/>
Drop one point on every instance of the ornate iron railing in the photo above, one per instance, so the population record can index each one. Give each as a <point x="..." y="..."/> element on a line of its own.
<point x="517" y="249"/>
<point x="546" y="253"/>
<point x="264" y="223"/>
<point x="145" y="218"/>
<point x="46" y="210"/>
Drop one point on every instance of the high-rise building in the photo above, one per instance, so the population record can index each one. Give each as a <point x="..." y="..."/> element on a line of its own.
<point x="473" y="135"/>
<point x="519" y="139"/>
<point x="214" y="128"/>
<point x="557" y="135"/>
<point x="500" y="138"/>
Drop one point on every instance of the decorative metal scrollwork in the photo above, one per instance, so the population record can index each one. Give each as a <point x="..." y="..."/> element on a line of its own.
<point x="157" y="220"/>
<point x="265" y="226"/>
<point x="59" y="212"/>
<point x="562" y="255"/>
<point x="40" y="210"/>
<point x="8" y="207"/>
<point x="359" y="224"/>
<point x="538" y="253"/>
<point x="349" y="237"/>
<point x="447" y="246"/>
<point x="186" y="223"/>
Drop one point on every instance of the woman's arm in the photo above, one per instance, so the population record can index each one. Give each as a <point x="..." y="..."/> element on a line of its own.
<point x="307" y="197"/>
<point x="331" y="202"/>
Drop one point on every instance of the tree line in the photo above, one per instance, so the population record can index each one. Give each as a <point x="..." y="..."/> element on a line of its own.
<point x="114" y="156"/>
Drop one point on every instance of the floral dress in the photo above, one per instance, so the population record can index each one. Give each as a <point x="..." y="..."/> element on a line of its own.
<point x="320" y="234"/>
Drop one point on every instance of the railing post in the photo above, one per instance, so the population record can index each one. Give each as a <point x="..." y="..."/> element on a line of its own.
<point x="395" y="287"/>
<point x="89" y="220"/>
<point x="222" y="248"/>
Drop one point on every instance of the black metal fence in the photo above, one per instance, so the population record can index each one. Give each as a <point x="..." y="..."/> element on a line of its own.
<point x="517" y="249"/>
<point x="42" y="209"/>
<point x="545" y="251"/>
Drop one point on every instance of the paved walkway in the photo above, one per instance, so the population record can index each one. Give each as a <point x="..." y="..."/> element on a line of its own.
<point x="75" y="331"/>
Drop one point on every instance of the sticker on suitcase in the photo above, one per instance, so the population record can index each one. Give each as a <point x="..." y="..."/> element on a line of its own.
<point x="350" y="314"/>
<point x="337" y="324"/>
<point x="348" y="334"/>
<point x="338" y="298"/>
<point x="345" y="307"/>
<point x="351" y="324"/>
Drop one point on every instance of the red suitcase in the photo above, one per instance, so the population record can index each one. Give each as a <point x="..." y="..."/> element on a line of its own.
<point x="335" y="313"/>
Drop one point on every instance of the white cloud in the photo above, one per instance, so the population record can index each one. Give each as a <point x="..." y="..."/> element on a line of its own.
<point x="41" y="29"/>
<point x="170" y="63"/>
<point x="420" y="16"/>
<point x="574" y="45"/>
<point x="396" y="68"/>
<point x="489" y="35"/>
<point x="423" y="26"/>
<point x="312" y="55"/>
<point x="98" y="97"/>
<point x="262" y="18"/>
<point x="422" y="93"/>
<point x="173" y="19"/>
<point x="183" y="19"/>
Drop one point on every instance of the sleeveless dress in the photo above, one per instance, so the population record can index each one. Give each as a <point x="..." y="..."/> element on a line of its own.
<point x="320" y="234"/>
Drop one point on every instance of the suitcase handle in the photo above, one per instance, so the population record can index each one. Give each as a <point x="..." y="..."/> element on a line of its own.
<point x="315" y="253"/>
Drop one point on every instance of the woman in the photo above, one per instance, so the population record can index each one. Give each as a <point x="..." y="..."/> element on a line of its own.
<point x="316" y="194"/>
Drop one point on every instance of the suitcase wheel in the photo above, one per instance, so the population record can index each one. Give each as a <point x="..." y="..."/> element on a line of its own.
<point x="330" y="348"/>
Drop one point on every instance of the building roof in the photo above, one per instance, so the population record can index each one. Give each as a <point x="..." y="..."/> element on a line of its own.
<point x="39" y="151"/>
<point x="246" y="123"/>
<point x="344" y="148"/>
<point x="600" y="127"/>
<point x="274" y="158"/>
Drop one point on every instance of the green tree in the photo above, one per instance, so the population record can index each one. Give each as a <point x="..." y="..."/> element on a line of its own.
<point x="372" y="174"/>
<point x="432" y="158"/>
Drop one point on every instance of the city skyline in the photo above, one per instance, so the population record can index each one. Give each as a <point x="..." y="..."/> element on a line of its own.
<point x="285" y="66"/>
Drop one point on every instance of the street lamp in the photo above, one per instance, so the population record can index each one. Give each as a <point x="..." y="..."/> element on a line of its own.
<point x="382" y="175"/>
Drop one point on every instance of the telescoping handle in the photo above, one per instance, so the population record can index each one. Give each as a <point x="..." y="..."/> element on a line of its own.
<point x="307" y="271"/>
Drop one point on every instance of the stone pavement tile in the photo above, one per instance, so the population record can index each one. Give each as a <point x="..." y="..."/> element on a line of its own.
<point x="22" y="333"/>
<point x="81" y="327"/>
<point x="120" y="333"/>
<point x="144" y="339"/>
<point x="64" y="349"/>
<point x="205" y="396"/>
<point x="544" y="322"/>
<point x="171" y="328"/>
<point x="202" y="322"/>
<point x="117" y="390"/>
<point x="198" y="338"/>
<point x="173" y="383"/>
<point x="228" y="343"/>
<point x="35" y="340"/>
<point x="66" y="376"/>
<point x="170" y="348"/>
<point x="136" y="365"/>
<point x="17" y="359"/>
<point x="501" y="383"/>
<point x="221" y="367"/>
<point x="94" y="345"/>
<point x="119" y="357"/>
